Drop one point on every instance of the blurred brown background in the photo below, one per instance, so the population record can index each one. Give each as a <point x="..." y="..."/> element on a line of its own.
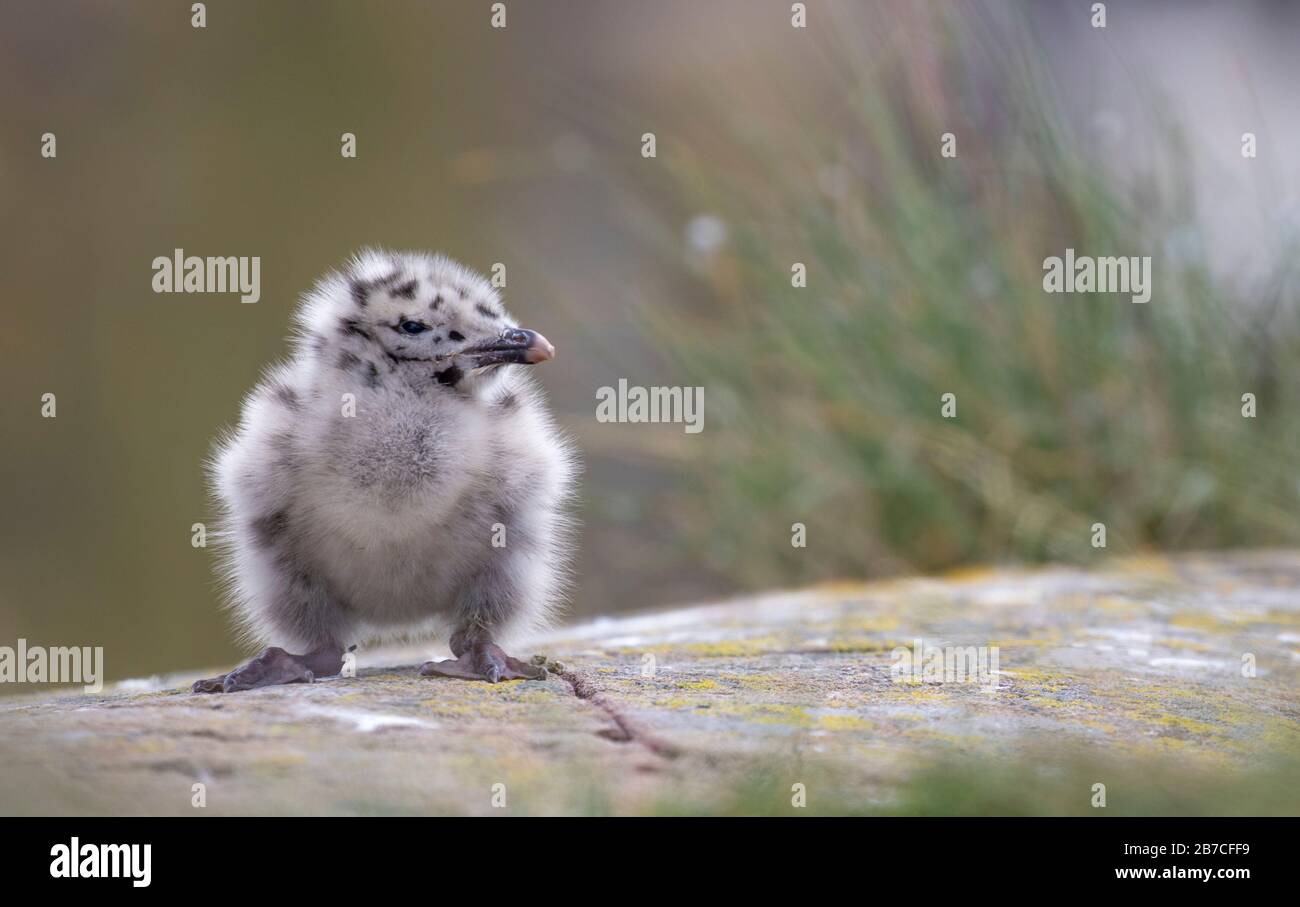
<point x="518" y="145"/>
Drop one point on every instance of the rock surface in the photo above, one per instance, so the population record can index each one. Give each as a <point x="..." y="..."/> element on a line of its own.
<point x="1131" y="676"/>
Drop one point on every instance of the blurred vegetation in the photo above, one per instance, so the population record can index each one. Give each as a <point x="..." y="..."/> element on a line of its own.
<point x="500" y="145"/>
<point x="924" y="278"/>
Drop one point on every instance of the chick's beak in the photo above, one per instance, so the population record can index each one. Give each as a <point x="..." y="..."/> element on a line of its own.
<point x="537" y="348"/>
<point x="515" y="346"/>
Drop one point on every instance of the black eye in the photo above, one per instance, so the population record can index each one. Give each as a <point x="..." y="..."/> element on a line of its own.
<point x="413" y="327"/>
<point x="456" y="335"/>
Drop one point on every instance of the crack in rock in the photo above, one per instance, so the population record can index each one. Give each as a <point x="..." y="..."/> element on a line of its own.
<point x="628" y="730"/>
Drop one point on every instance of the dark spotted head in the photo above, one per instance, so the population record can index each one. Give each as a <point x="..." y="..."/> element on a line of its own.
<point x="418" y="319"/>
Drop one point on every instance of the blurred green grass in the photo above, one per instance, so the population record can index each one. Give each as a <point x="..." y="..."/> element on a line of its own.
<point x="1046" y="785"/>
<point x="924" y="279"/>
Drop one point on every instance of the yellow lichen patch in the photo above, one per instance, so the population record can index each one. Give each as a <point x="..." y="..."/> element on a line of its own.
<point x="699" y="685"/>
<point x="730" y="648"/>
<point x="1181" y="722"/>
<point x="1037" y="676"/>
<point x="770" y="713"/>
<point x="1031" y="678"/>
<point x="844" y="723"/>
<point x="678" y="702"/>
<point x="1150" y="706"/>
<point x="757" y="681"/>
<point x="1186" y="748"/>
<point x="751" y="712"/>
<point x="1235" y="714"/>
<point x="1281" y="735"/>
<point x="917" y="691"/>
<point x="467" y="707"/>
<point x="1196" y="620"/>
<point x="1048" y="702"/>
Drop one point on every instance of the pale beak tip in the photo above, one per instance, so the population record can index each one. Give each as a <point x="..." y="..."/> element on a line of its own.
<point x="539" y="350"/>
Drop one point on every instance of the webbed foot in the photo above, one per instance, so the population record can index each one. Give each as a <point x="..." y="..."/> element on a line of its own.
<point x="272" y="667"/>
<point x="484" y="661"/>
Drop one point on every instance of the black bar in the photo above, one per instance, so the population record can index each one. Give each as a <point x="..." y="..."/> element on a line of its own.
<point x="332" y="855"/>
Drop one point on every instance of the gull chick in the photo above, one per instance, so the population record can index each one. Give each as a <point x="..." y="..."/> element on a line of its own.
<point x="399" y="475"/>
